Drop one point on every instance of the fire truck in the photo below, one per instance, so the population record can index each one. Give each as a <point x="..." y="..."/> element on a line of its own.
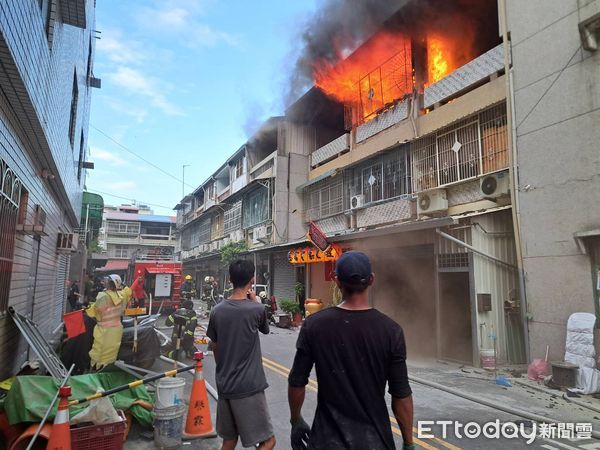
<point x="163" y="278"/>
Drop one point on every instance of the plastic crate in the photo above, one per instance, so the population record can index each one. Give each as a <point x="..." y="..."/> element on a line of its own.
<point x="99" y="437"/>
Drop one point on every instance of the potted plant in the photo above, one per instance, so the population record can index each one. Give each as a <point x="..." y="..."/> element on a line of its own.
<point x="291" y="308"/>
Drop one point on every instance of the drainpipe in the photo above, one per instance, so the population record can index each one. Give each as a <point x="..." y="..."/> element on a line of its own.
<point x="513" y="171"/>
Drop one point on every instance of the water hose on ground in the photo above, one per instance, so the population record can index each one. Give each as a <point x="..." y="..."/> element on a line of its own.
<point x="516" y="411"/>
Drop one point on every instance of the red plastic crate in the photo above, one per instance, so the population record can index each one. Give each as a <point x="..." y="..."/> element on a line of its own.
<point x="99" y="437"/>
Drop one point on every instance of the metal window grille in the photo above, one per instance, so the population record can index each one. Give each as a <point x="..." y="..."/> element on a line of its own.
<point x="216" y="227"/>
<point x="121" y="251"/>
<point x="382" y="178"/>
<point x="256" y="207"/>
<point x="383" y="86"/>
<point x="203" y="234"/>
<point x="465" y="150"/>
<point x="10" y="196"/>
<point x="233" y="217"/>
<point x="325" y="198"/>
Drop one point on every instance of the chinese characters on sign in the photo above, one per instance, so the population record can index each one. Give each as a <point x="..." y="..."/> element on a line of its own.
<point x="309" y="255"/>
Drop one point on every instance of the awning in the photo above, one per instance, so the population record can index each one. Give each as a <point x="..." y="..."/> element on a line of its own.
<point x="329" y="173"/>
<point x="114" y="265"/>
<point x="397" y="228"/>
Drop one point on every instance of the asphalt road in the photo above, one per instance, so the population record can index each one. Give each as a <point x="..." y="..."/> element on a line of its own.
<point x="430" y="404"/>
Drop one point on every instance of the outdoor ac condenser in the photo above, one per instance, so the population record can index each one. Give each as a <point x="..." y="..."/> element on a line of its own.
<point x="431" y="202"/>
<point x="495" y="185"/>
<point x="357" y="201"/>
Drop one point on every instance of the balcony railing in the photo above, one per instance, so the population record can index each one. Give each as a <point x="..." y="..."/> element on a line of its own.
<point x="331" y="150"/>
<point x="142" y="239"/>
<point x="239" y="183"/>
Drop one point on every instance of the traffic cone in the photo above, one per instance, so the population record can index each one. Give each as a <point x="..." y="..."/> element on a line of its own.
<point x="60" y="437"/>
<point x="198" y="423"/>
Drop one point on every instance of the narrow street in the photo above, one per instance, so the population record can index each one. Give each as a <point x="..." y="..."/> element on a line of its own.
<point x="430" y="404"/>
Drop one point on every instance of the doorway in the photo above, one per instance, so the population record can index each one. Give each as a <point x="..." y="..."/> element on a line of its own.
<point x="456" y="336"/>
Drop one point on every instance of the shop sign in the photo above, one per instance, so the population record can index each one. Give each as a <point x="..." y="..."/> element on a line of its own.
<point x="308" y="255"/>
<point x="317" y="237"/>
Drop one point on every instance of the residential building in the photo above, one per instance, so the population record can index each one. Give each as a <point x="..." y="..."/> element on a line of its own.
<point x="127" y="233"/>
<point x="415" y="170"/>
<point x="555" y="84"/>
<point x="46" y="78"/>
<point x="250" y="200"/>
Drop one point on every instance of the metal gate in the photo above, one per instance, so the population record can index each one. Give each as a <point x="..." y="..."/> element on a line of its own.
<point x="284" y="277"/>
<point x="10" y="196"/>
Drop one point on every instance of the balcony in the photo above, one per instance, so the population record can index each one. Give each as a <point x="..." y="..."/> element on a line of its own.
<point x="331" y="150"/>
<point x="156" y="240"/>
<point x="265" y="168"/>
<point x="239" y="183"/>
<point x="221" y="196"/>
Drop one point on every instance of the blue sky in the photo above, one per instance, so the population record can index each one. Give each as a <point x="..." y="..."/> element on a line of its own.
<point x="183" y="82"/>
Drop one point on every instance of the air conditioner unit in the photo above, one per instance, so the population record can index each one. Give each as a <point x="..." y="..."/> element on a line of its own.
<point x="495" y="186"/>
<point x="67" y="242"/>
<point x="260" y="232"/>
<point x="357" y="201"/>
<point x="431" y="202"/>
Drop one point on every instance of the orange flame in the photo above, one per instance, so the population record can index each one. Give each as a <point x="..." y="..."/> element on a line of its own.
<point x="437" y="62"/>
<point x="375" y="75"/>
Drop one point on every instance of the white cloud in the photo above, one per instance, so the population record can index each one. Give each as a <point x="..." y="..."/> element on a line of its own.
<point x="183" y="20"/>
<point x="106" y="156"/>
<point x="135" y="82"/>
<point x="119" y="50"/>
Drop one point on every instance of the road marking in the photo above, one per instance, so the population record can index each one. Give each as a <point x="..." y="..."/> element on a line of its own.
<point x="313" y="385"/>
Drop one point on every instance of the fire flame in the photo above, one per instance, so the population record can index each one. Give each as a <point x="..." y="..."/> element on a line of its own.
<point x="375" y="75"/>
<point x="437" y="62"/>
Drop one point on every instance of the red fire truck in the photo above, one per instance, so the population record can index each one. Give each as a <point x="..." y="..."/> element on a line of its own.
<point x="163" y="278"/>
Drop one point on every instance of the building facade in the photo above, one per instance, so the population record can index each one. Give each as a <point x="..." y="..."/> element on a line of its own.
<point x="46" y="78"/>
<point x="250" y="202"/>
<point x="556" y="93"/>
<point x="129" y="232"/>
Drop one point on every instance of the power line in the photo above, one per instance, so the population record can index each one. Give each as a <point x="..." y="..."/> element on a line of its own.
<point x="130" y="199"/>
<point x="140" y="157"/>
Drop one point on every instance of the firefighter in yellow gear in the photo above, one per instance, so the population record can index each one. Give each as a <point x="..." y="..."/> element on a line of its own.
<point x="108" y="332"/>
<point x="185" y="322"/>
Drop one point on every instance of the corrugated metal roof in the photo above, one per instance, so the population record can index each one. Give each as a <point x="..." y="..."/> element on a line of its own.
<point x="130" y="217"/>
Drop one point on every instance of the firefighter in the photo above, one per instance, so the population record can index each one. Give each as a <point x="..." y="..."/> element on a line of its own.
<point x="188" y="291"/>
<point x="107" y="310"/>
<point x="185" y="322"/>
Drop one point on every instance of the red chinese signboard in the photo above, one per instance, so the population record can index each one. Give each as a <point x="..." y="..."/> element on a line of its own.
<point x="317" y="237"/>
<point x="308" y="255"/>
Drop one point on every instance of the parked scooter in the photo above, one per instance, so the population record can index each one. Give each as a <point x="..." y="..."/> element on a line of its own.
<point x="270" y="306"/>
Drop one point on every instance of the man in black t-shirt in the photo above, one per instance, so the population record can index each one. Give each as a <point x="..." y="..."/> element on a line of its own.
<point x="356" y="350"/>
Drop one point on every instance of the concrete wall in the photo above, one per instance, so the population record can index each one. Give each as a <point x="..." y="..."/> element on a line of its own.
<point x="36" y="85"/>
<point x="557" y="107"/>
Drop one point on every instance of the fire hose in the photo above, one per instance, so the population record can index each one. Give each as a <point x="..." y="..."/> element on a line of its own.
<point x="133" y="384"/>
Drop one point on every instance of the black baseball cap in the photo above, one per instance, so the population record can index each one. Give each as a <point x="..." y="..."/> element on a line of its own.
<point x="353" y="269"/>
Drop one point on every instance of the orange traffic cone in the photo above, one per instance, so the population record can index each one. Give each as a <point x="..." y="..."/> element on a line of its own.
<point x="60" y="437"/>
<point x="199" y="422"/>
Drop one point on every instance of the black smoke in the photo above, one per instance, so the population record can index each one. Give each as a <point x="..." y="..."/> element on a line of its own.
<point x="340" y="25"/>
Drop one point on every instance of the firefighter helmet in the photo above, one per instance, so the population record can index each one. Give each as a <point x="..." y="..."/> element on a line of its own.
<point x="188" y="277"/>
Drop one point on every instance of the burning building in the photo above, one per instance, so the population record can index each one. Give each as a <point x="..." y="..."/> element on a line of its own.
<point x="411" y="164"/>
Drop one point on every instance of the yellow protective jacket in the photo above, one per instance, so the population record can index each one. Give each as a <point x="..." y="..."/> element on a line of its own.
<point x="107" y="310"/>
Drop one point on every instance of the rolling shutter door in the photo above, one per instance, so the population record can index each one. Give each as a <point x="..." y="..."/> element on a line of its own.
<point x="60" y="290"/>
<point x="284" y="277"/>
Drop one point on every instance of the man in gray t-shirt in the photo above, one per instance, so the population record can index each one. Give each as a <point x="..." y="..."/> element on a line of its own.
<point x="233" y="329"/>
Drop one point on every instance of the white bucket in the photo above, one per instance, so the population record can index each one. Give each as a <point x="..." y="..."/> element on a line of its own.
<point x="169" y="392"/>
<point x="168" y="427"/>
<point x="488" y="359"/>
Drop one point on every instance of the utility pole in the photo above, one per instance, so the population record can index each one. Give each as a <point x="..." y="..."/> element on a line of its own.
<point x="183" y="179"/>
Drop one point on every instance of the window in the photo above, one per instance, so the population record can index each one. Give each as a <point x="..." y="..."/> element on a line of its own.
<point x="381" y="178"/>
<point x="256" y="207"/>
<point x="73" y="115"/>
<point x="216" y="225"/>
<point x="89" y="62"/>
<point x="233" y="218"/>
<point x="238" y="169"/>
<point x="211" y="191"/>
<point x="468" y="149"/>
<point x="121" y="251"/>
<point x="10" y="197"/>
<point x="48" y="10"/>
<point x="115" y="227"/>
<point x="325" y="198"/>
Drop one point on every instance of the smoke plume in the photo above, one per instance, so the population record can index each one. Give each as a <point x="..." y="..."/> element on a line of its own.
<point x="334" y="31"/>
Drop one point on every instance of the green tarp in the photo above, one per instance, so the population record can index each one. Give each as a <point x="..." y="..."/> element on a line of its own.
<point x="30" y="396"/>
